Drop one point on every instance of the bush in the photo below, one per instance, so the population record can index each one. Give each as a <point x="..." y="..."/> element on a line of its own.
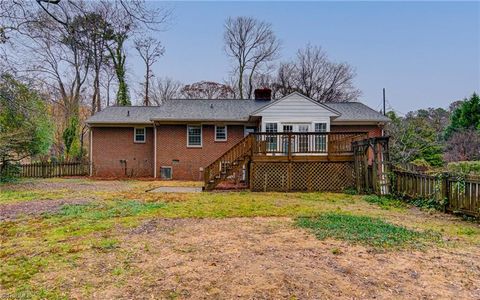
<point x="464" y="167"/>
<point x="9" y="172"/>
<point x="421" y="164"/>
<point x="384" y="201"/>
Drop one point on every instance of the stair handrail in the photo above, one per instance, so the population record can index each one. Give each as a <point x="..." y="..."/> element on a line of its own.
<point x="245" y="144"/>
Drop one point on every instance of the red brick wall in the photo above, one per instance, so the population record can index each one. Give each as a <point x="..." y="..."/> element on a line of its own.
<point x="172" y="145"/>
<point x="373" y="130"/>
<point x="112" y="144"/>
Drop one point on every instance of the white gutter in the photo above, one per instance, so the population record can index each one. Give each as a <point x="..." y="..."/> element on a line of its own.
<point x="154" y="150"/>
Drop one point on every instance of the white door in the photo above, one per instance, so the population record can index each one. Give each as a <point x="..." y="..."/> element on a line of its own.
<point x="302" y="143"/>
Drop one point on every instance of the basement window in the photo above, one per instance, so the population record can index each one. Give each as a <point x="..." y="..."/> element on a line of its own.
<point x="220" y="133"/>
<point x="166" y="172"/>
<point x="139" y="135"/>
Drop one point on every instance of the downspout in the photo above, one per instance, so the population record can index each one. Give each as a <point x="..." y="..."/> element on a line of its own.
<point x="91" y="152"/>
<point x="154" y="150"/>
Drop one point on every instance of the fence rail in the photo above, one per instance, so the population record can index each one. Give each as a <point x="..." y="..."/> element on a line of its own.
<point x="460" y="193"/>
<point x="52" y="169"/>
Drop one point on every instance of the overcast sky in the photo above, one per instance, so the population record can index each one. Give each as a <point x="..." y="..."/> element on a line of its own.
<point x="426" y="54"/>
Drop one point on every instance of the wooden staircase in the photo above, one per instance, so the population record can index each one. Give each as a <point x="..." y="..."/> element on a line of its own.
<point x="230" y="163"/>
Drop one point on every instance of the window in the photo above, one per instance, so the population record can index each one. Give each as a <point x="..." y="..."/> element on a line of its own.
<point x="271" y="139"/>
<point x="166" y="172"/>
<point x="249" y="129"/>
<point x="320" y="127"/>
<point x="321" y="139"/>
<point x="194" y="136"/>
<point x="139" y="135"/>
<point x="220" y="133"/>
<point x="270" y="127"/>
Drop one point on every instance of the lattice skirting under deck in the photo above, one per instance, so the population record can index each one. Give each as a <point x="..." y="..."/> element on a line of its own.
<point x="301" y="176"/>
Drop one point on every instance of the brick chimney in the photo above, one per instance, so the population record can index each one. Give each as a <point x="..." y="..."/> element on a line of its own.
<point x="264" y="94"/>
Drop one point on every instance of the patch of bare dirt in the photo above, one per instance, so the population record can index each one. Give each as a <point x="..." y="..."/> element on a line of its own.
<point x="266" y="258"/>
<point x="34" y="208"/>
<point x="75" y="184"/>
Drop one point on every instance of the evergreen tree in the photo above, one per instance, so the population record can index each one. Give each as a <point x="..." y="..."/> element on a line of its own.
<point x="25" y="127"/>
<point x="465" y="116"/>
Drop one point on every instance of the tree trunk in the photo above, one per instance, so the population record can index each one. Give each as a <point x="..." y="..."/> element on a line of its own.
<point x="240" y="82"/>
<point x="147" y="77"/>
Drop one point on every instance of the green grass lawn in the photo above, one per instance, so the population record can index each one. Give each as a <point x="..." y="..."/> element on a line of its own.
<point x="56" y="239"/>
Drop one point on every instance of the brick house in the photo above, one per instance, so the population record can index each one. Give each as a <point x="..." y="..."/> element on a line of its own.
<point x="181" y="138"/>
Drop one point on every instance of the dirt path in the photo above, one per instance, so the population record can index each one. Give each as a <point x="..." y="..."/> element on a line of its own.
<point x="13" y="211"/>
<point x="267" y="258"/>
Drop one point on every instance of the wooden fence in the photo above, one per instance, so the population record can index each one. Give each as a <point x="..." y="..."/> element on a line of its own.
<point x="52" y="169"/>
<point x="459" y="193"/>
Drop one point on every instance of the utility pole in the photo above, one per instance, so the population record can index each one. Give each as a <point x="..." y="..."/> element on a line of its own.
<point x="384" y="112"/>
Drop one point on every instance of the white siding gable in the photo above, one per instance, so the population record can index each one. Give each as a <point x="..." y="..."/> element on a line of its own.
<point x="295" y="109"/>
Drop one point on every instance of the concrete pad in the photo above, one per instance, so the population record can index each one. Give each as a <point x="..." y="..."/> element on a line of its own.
<point x="177" y="189"/>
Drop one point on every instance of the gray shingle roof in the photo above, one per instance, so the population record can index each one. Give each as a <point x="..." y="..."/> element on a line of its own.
<point x="356" y="111"/>
<point x="215" y="110"/>
<point x="180" y="110"/>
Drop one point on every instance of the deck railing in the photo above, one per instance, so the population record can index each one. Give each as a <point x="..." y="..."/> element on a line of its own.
<point x="304" y="143"/>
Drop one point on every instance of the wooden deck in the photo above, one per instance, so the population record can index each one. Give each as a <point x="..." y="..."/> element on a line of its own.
<point x="288" y="161"/>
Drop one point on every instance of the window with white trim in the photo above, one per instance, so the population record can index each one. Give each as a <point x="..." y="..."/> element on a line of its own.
<point x="194" y="135"/>
<point x="320" y="127"/>
<point x="221" y="133"/>
<point x="139" y="135"/>
<point x="270" y="127"/>
<point x="321" y="139"/>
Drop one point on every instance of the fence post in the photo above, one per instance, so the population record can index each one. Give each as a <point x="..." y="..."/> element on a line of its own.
<point x="446" y="190"/>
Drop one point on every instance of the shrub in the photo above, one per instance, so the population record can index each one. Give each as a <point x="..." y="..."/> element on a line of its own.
<point x="384" y="201"/>
<point x="464" y="167"/>
<point x="9" y="172"/>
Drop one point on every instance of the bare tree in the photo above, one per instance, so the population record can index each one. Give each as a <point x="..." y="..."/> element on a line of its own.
<point x="93" y="29"/>
<point x="108" y="76"/>
<point x="315" y="76"/>
<point x="165" y="89"/>
<point x="463" y="145"/>
<point x="150" y="51"/>
<point x="120" y="20"/>
<point x="207" y="90"/>
<point x="59" y="45"/>
<point x="252" y="44"/>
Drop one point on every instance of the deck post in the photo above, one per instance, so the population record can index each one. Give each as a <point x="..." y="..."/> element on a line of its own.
<point x="290" y="146"/>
